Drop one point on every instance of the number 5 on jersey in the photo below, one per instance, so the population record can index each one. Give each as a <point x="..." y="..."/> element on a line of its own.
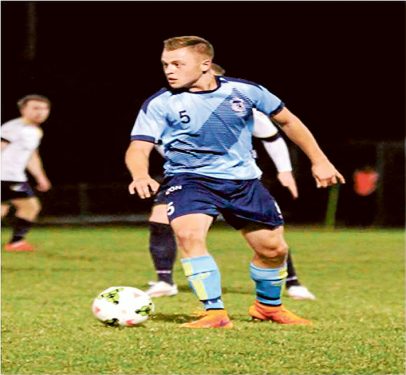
<point x="184" y="117"/>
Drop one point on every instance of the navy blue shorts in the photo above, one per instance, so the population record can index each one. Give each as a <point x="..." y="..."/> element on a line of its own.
<point x="239" y="201"/>
<point x="15" y="190"/>
<point x="160" y="197"/>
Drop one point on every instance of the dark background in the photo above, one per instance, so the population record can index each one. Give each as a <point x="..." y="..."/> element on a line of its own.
<point x="338" y="65"/>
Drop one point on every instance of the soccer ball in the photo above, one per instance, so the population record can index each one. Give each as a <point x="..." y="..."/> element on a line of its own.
<point x="122" y="306"/>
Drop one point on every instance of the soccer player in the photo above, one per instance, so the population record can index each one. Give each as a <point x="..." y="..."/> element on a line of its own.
<point x="205" y="124"/>
<point x="20" y="139"/>
<point x="162" y="245"/>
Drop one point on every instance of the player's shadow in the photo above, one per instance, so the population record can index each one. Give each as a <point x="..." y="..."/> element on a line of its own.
<point x="172" y="318"/>
<point x="185" y="318"/>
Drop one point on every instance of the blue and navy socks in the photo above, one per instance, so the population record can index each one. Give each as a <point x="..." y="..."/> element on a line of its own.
<point x="205" y="280"/>
<point x="269" y="283"/>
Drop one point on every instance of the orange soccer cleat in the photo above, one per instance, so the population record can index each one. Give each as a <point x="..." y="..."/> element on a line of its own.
<point x="211" y="319"/>
<point x="18" y="246"/>
<point x="277" y="314"/>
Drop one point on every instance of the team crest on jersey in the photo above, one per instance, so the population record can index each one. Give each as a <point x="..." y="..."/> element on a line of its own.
<point x="238" y="105"/>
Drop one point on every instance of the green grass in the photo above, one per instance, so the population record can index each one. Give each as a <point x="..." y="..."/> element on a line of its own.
<point x="48" y="328"/>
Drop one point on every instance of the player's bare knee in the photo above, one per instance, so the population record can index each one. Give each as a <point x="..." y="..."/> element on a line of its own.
<point x="275" y="254"/>
<point x="187" y="237"/>
<point x="4" y="210"/>
<point x="28" y="210"/>
<point x="36" y="207"/>
<point x="159" y="214"/>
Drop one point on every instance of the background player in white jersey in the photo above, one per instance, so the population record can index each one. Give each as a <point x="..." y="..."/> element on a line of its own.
<point x="205" y="123"/>
<point x="20" y="139"/>
<point x="162" y="244"/>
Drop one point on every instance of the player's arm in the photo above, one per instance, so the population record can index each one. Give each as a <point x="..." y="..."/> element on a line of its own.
<point x="323" y="171"/>
<point x="36" y="169"/>
<point x="276" y="147"/>
<point x="277" y="150"/>
<point x="137" y="162"/>
<point x="4" y="144"/>
<point x="8" y="135"/>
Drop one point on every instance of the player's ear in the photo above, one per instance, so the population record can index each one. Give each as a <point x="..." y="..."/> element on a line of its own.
<point x="206" y="65"/>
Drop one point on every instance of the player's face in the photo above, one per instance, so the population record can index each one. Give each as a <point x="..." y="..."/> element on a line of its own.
<point x="35" y="111"/>
<point x="184" y="67"/>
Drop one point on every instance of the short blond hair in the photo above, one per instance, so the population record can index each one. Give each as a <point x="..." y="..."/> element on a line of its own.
<point x="217" y="69"/>
<point x="40" y="98"/>
<point x="196" y="42"/>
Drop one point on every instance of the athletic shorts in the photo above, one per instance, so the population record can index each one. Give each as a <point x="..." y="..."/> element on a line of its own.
<point x="160" y="197"/>
<point x="239" y="201"/>
<point x="14" y="190"/>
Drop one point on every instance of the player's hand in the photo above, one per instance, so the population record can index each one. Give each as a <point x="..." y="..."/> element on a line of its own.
<point x="43" y="184"/>
<point x="144" y="187"/>
<point x="326" y="175"/>
<point x="287" y="180"/>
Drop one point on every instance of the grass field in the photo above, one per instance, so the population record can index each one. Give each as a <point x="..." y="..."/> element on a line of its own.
<point x="48" y="328"/>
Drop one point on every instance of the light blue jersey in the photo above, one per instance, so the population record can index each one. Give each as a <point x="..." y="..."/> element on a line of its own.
<point x="206" y="132"/>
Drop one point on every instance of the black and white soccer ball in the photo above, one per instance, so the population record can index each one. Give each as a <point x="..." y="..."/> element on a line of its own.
<point x="122" y="306"/>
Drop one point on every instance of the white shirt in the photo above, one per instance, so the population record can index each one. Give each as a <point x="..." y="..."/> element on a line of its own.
<point x="23" y="140"/>
<point x="276" y="149"/>
<point x="263" y="126"/>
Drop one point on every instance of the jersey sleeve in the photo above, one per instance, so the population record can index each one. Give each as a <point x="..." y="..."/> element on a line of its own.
<point x="267" y="102"/>
<point x="30" y="137"/>
<point x="279" y="153"/>
<point x="149" y="123"/>
<point x="263" y="126"/>
<point x="8" y="133"/>
<point x="272" y="141"/>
